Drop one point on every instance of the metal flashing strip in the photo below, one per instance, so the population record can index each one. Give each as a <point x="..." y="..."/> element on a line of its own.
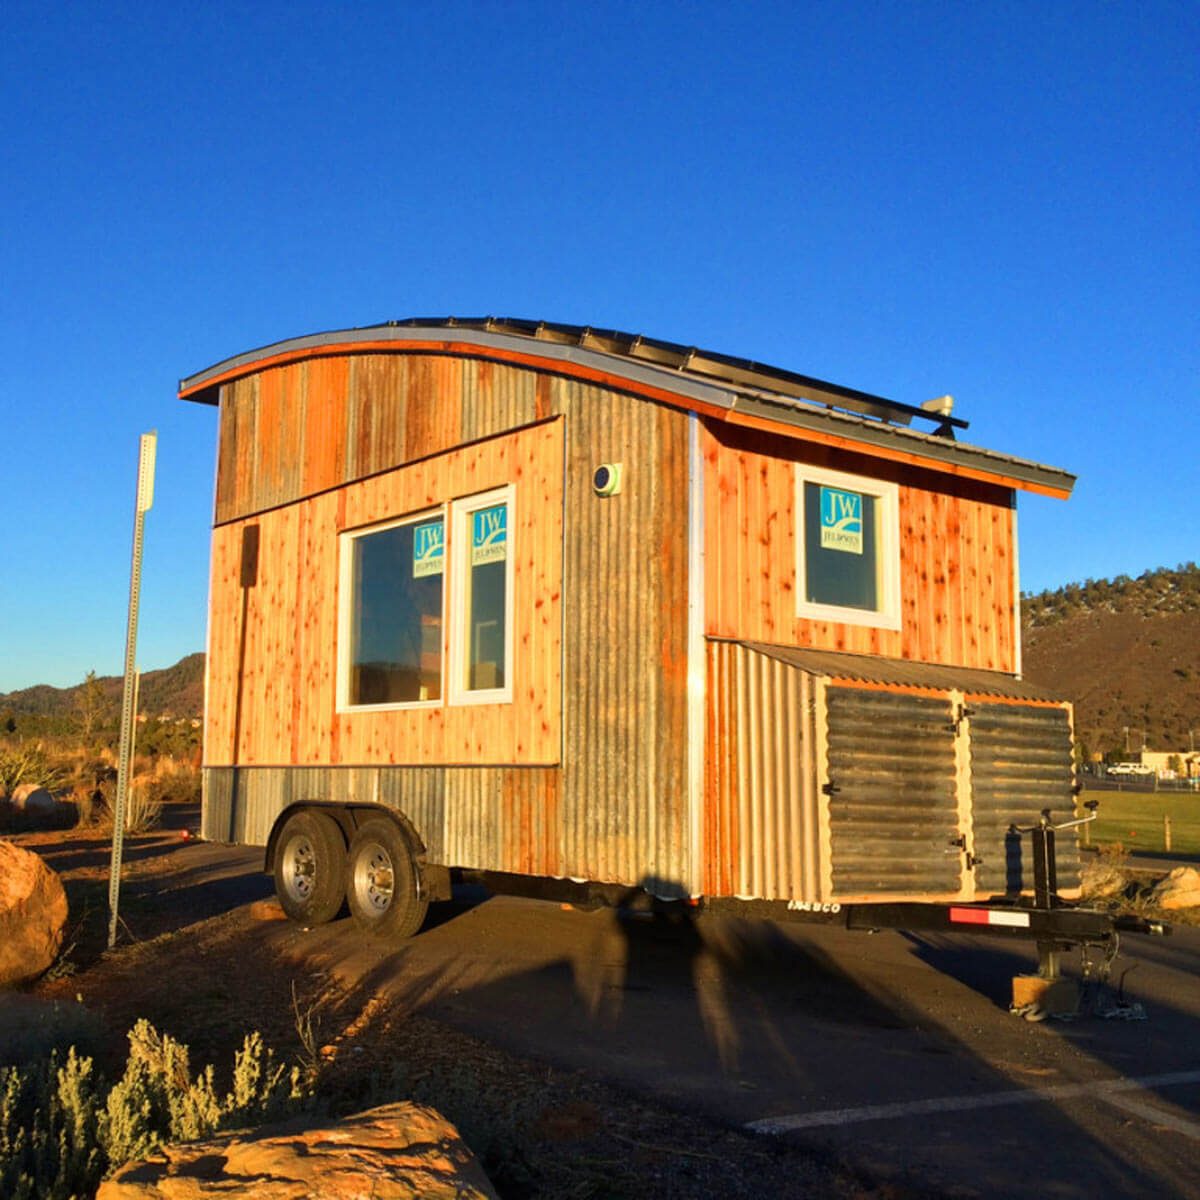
<point x="735" y="386"/>
<point x="924" y="445"/>
<point x="696" y="657"/>
<point x="897" y="672"/>
<point x="399" y="334"/>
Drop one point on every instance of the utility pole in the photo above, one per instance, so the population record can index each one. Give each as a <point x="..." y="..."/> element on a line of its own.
<point x="145" y="498"/>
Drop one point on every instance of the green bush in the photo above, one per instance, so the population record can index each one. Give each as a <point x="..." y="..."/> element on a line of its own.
<point x="62" y="1131"/>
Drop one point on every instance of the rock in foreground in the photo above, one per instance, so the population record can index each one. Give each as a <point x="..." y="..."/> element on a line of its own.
<point x="396" y="1152"/>
<point x="1180" y="889"/>
<point x="33" y="911"/>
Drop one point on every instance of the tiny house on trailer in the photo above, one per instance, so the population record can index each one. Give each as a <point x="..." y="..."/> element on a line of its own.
<point x="579" y="612"/>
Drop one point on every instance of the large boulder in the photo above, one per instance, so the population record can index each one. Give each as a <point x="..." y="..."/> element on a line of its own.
<point x="1180" y="889"/>
<point x="399" y="1151"/>
<point x="34" y="799"/>
<point x="33" y="912"/>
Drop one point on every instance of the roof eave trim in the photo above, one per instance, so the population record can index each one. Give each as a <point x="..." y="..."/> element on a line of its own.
<point x="725" y="404"/>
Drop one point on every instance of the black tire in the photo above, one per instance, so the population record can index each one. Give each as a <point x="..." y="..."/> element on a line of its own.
<point x="310" y="868"/>
<point x="383" y="881"/>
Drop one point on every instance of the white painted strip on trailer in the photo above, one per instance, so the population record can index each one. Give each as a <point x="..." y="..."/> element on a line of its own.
<point x="1154" y="1116"/>
<point x="1101" y="1089"/>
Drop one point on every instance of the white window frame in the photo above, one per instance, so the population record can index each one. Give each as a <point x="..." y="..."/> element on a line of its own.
<point x="459" y="549"/>
<point x="346" y="540"/>
<point x="887" y="496"/>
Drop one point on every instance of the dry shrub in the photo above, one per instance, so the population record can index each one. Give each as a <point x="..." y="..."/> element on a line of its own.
<point x="143" y="808"/>
<point x="29" y="762"/>
<point x="175" y="782"/>
<point x="97" y="806"/>
<point x="62" y="1129"/>
<point x="1106" y="876"/>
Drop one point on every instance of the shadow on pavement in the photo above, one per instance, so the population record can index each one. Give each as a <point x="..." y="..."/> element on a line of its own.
<point x="727" y="1017"/>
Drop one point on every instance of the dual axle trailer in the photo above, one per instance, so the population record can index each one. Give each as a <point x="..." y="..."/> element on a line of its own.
<point x="588" y="615"/>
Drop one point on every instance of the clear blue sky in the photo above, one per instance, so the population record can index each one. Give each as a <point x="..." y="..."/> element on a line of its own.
<point x="994" y="200"/>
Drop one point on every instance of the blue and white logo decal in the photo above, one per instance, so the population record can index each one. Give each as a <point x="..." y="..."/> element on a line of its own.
<point x="489" y="534"/>
<point x="841" y="520"/>
<point x="429" y="549"/>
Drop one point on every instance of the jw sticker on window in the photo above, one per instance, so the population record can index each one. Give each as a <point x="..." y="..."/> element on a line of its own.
<point x="429" y="549"/>
<point x="489" y="534"/>
<point x="841" y="520"/>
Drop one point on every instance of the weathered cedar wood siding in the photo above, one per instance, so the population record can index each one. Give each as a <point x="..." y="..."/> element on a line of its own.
<point x="327" y="444"/>
<point x="956" y="546"/>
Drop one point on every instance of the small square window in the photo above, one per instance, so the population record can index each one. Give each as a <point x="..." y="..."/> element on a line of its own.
<point x="847" y="548"/>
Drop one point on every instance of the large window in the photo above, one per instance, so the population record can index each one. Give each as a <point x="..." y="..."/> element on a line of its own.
<point x="392" y="613"/>
<point x="399" y="579"/>
<point x="847" y="548"/>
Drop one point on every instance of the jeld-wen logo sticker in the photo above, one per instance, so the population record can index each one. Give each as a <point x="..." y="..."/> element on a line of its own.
<point x="429" y="549"/>
<point x="841" y="520"/>
<point x="489" y="534"/>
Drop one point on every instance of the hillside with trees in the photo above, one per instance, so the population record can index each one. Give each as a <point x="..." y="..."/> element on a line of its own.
<point x="1126" y="652"/>
<point x="93" y="706"/>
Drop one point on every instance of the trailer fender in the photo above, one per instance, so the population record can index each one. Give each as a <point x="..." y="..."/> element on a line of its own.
<point x="434" y="878"/>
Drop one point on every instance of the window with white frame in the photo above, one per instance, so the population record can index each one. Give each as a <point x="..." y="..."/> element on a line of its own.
<point x="392" y="613"/>
<point x="403" y="581"/>
<point x="482" y="599"/>
<point x="847" y="548"/>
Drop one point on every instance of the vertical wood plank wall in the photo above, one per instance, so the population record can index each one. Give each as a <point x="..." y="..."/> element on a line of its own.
<point x="956" y="545"/>
<point x="616" y="808"/>
<point x="272" y="682"/>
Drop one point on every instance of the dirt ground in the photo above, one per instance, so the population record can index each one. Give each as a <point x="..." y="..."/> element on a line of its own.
<point x="193" y="957"/>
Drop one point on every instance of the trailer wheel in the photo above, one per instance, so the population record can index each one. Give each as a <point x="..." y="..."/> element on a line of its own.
<point x="382" y="880"/>
<point x="310" y="868"/>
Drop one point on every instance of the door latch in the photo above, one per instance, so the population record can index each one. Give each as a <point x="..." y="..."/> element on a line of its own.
<point x="960" y="844"/>
<point x="963" y="713"/>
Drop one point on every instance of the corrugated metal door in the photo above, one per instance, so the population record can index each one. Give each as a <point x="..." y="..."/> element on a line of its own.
<point x="890" y="775"/>
<point x="1020" y="764"/>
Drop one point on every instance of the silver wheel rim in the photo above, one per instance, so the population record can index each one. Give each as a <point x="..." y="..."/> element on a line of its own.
<point x="299" y="869"/>
<point x="374" y="879"/>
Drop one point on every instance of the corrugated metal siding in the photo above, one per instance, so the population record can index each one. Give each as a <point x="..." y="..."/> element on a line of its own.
<point x="242" y="803"/>
<point x="624" y="795"/>
<point x="496" y="398"/>
<point x="290" y="432"/>
<point x="761" y="832"/>
<point x="1020" y="764"/>
<point x="892" y="805"/>
<point x="473" y="819"/>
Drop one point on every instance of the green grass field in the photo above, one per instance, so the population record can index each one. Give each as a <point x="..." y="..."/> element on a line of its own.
<point x="1135" y="819"/>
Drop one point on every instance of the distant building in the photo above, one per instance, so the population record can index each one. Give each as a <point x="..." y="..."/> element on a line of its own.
<point x="1162" y="764"/>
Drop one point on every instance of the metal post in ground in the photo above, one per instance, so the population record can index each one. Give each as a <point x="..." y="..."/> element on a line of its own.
<point x="145" y="498"/>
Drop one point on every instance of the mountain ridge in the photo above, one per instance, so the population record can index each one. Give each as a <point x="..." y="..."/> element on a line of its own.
<point x="176" y="691"/>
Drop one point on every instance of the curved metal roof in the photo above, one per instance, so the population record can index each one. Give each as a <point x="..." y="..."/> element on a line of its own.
<point x="704" y="377"/>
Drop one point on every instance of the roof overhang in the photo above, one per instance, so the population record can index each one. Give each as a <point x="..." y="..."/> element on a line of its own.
<point x="733" y="390"/>
<point x="868" y="670"/>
